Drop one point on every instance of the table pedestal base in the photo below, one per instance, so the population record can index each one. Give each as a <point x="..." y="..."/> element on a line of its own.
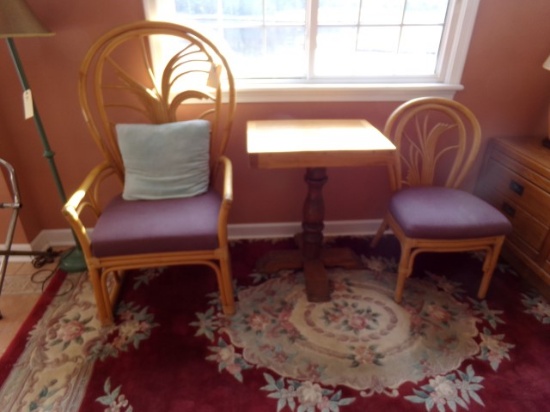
<point x="317" y="284"/>
<point x="311" y="256"/>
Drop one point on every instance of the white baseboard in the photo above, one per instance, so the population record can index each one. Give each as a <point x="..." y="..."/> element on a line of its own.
<point x="289" y="229"/>
<point x="55" y="238"/>
<point x="63" y="238"/>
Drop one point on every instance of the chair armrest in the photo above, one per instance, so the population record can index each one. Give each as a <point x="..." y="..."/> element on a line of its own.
<point x="227" y="179"/>
<point x="86" y="197"/>
<point x="227" y="198"/>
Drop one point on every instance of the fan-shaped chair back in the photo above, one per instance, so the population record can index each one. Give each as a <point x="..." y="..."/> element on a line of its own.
<point x="119" y="83"/>
<point x="437" y="142"/>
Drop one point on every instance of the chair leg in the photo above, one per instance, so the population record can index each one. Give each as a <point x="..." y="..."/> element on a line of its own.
<point x="100" y="299"/>
<point x="489" y="265"/>
<point x="379" y="233"/>
<point x="225" y="285"/>
<point x="111" y="295"/>
<point x="403" y="272"/>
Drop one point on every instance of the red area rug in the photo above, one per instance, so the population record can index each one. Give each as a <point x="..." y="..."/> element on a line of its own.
<point x="172" y="350"/>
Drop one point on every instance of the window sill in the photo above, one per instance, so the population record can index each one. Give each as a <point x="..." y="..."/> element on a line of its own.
<point x="268" y="93"/>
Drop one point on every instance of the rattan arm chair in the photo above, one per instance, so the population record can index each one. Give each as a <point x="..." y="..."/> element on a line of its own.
<point x="118" y="86"/>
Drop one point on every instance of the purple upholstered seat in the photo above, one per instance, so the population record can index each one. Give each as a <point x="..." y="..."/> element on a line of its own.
<point x="175" y="225"/>
<point x="444" y="213"/>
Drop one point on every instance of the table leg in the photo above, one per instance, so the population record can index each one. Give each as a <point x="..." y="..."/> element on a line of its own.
<point x="311" y="257"/>
<point x="316" y="279"/>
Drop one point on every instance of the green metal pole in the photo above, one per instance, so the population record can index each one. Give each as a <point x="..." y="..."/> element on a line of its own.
<point x="73" y="261"/>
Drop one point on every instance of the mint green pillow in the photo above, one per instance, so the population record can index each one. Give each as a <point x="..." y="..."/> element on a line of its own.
<point x="164" y="161"/>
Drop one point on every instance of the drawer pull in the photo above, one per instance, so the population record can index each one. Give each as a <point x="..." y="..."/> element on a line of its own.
<point x="509" y="210"/>
<point x="516" y="187"/>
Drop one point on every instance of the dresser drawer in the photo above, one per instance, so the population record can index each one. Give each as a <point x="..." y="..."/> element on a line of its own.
<point x="522" y="164"/>
<point x="528" y="232"/>
<point x="515" y="178"/>
<point x="515" y="187"/>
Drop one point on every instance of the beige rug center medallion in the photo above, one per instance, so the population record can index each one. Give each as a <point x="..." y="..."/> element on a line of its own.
<point x="361" y="338"/>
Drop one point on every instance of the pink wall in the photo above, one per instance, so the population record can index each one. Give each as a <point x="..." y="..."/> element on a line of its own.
<point x="503" y="79"/>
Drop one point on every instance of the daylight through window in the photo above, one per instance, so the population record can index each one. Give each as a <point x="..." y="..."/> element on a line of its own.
<point x="361" y="43"/>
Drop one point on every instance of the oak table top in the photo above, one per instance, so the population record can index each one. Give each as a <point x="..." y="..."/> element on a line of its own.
<point x="316" y="143"/>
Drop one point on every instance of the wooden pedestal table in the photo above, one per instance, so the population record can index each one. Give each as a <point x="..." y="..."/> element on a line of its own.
<point x="315" y="145"/>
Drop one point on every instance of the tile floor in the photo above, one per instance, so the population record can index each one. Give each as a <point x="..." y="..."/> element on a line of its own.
<point x="22" y="288"/>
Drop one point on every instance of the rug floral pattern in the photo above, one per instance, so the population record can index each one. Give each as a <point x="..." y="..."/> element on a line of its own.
<point x="63" y="347"/>
<point x="360" y="339"/>
<point x="308" y="353"/>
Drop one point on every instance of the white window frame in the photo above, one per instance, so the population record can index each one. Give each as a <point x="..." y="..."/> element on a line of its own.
<point x="455" y="44"/>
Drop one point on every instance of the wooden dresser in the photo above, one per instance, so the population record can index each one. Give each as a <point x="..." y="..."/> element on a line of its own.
<point x="515" y="177"/>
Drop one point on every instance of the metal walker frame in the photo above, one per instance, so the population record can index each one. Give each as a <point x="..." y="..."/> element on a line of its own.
<point x="15" y="205"/>
<point x="40" y="257"/>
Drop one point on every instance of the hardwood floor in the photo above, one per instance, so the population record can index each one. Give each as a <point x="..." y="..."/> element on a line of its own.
<point x="23" y="286"/>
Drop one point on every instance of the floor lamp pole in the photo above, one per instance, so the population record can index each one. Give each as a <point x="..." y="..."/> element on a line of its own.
<point x="72" y="261"/>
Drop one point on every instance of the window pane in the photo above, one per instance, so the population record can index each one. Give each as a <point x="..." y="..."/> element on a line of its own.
<point x="380" y="51"/>
<point x="420" y="40"/>
<point x="264" y="43"/>
<point x="419" y="49"/>
<point x="285" y="11"/>
<point x="341" y="53"/>
<point x="335" y="47"/>
<point x="338" y="12"/>
<point x="241" y="8"/>
<point x="382" y="12"/>
<point x="336" y="40"/>
<point x="358" y="39"/>
<point x="425" y="12"/>
<point x="221" y="13"/>
<point x="379" y="39"/>
<point x="264" y="52"/>
<point x="196" y="7"/>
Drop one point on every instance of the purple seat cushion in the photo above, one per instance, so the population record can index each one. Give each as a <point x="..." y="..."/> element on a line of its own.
<point x="443" y="213"/>
<point x="153" y="226"/>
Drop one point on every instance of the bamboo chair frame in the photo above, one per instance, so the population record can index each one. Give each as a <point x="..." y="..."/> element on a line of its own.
<point x="151" y="99"/>
<point x="419" y="157"/>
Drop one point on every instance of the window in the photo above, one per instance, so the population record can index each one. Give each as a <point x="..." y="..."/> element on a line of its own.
<point x="289" y="50"/>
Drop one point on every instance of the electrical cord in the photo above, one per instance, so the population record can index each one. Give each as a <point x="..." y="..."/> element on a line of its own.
<point x="36" y="278"/>
<point x="42" y="259"/>
<point x="45" y="257"/>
